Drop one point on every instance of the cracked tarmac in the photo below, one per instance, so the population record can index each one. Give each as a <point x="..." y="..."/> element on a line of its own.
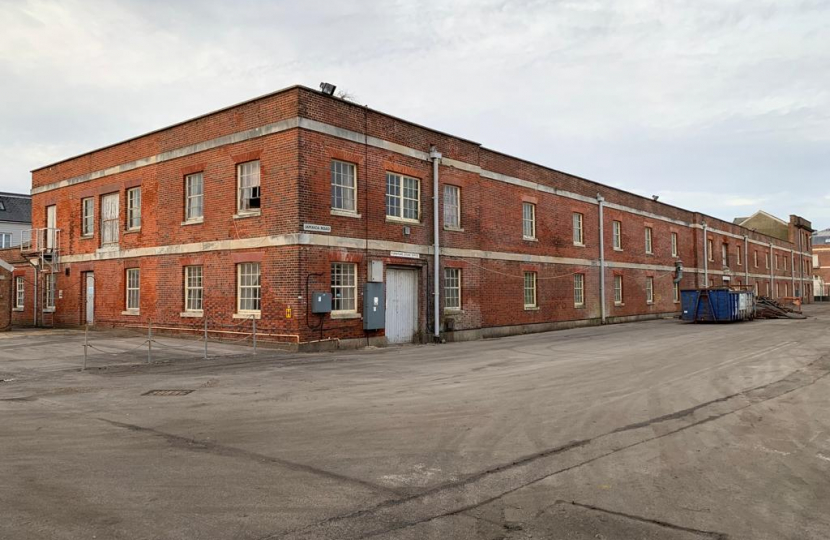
<point x="645" y="430"/>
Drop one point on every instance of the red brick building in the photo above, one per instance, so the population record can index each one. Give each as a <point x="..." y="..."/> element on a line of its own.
<point x="247" y="211"/>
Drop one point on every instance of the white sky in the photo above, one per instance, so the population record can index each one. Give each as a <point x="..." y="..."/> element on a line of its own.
<point x="721" y="106"/>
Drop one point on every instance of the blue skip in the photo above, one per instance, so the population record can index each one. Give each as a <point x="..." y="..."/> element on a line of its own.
<point x="720" y="304"/>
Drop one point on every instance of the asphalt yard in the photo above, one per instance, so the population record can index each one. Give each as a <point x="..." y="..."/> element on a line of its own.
<point x="652" y="430"/>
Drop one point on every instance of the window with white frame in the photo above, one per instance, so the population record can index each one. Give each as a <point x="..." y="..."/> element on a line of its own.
<point x="724" y="254"/>
<point x="343" y="186"/>
<point x="710" y="246"/>
<point x="248" y="189"/>
<point x="248" y="288"/>
<point x="530" y="290"/>
<point x="738" y="258"/>
<point x="676" y="292"/>
<point x="49" y="293"/>
<point x="133" y="289"/>
<point x="649" y="240"/>
<point x="618" y="290"/>
<point x="617" y="234"/>
<point x="5" y="240"/>
<point x="134" y="208"/>
<point x="784" y="258"/>
<point x="579" y="238"/>
<point x="193" y="289"/>
<point x="452" y="288"/>
<point x="674" y="244"/>
<point x="343" y="287"/>
<point x="755" y="258"/>
<point x="19" y="292"/>
<point x="403" y="197"/>
<point x="87" y="216"/>
<point x="452" y="207"/>
<point x="649" y="290"/>
<point x="766" y="260"/>
<point x="529" y="220"/>
<point x="579" y="290"/>
<point x="194" y="196"/>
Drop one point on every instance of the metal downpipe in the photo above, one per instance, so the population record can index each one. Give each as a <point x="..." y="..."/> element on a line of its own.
<point x="601" y="202"/>
<point x="435" y="156"/>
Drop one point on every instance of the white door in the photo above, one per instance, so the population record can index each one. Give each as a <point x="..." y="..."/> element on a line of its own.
<point x="90" y="298"/>
<point x="401" y="305"/>
<point x="109" y="219"/>
<point x="51" y="225"/>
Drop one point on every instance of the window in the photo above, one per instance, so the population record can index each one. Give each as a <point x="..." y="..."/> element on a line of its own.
<point x="343" y="287"/>
<point x="193" y="289"/>
<point x="674" y="244"/>
<point x="248" y="288"/>
<point x="785" y="262"/>
<point x="755" y="258"/>
<point x="649" y="290"/>
<point x="134" y="208"/>
<point x="579" y="239"/>
<point x="452" y="288"/>
<point x="649" y="244"/>
<point x="49" y="293"/>
<point x="676" y="292"/>
<point x="724" y="254"/>
<point x="87" y="216"/>
<point x="579" y="290"/>
<point x="247" y="184"/>
<point x="109" y="219"/>
<point x="19" y="292"/>
<point x="133" y="289"/>
<point x="529" y="220"/>
<point x="738" y="256"/>
<point x="618" y="290"/>
<point x="343" y="186"/>
<point x="766" y="260"/>
<point x="777" y="262"/>
<point x="452" y="207"/>
<point x="5" y="240"/>
<point x="710" y="247"/>
<point x="530" y="290"/>
<point x="618" y="235"/>
<point x="194" y="196"/>
<point x="403" y="197"/>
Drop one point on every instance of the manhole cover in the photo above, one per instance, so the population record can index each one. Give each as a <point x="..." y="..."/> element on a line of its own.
<point x="167" y="393"/>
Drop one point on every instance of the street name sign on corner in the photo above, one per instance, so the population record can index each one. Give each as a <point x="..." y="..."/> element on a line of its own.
<point x="313" y="227"/>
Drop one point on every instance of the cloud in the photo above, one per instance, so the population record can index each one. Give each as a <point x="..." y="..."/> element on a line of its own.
<point x="730" y="98"/>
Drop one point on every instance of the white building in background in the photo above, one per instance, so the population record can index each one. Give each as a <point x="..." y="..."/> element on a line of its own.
<point x="15" y="217"/>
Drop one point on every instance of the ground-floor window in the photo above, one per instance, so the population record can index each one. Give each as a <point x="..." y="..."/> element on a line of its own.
<point x="530" y="289"/>
<point x="133" y="289"/>
<point x="618" y="289"/>
<point x="452" y="288"/>
<point x="676" y="292"/>
<point x="49" y="300"/>
<point x="579" y="290"/>
<point x="649" y="290"/>
<point x="344" y="287"/>
<point x="193" y="288"/>
<point x="19" y="292"/>
<point x="248" y="288"/>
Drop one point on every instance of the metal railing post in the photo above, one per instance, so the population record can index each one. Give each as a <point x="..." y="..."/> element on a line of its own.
<point x="254" y="320"/>
<point x="86" y="344"/>
<point x="206" y="337"/>
<point x="149" y="342"/>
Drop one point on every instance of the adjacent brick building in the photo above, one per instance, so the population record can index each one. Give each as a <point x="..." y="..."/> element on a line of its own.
<point x="247" y="211"/>
<point x="821" y="263"/>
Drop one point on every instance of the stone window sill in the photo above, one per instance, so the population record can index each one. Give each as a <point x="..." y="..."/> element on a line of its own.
<point x="579" y="306"/>
<point x="531" y="308"/>
<point x="49" y="310"/>
<point x="251" y="315"/>
<point x="453" y="229"/>
<point x="87" y="236"/>
<point x="345" y="213"/>
<point x="579" y="244"/>
<point x="618" y="249"/>
<point x="403" y="221"/>
<point x="133" y="231"/>
<point x="131" y="312"/>
<point x="619" y="304"/>
<point x="17" y="310"/>
<point x="453" y="311"/>
<point x="194" y="221"/>
<point x="346" y="315"/>
<point x="246" y="215"/>
<point x="191" y="314"/>
<point x="530" y="239"/>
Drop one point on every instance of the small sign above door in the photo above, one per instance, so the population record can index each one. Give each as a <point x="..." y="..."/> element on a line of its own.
<point x="313" y="227"/>
<point x="404" y="255"/>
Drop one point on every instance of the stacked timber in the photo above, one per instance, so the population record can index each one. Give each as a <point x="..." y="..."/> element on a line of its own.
<point x="767" y="308"/>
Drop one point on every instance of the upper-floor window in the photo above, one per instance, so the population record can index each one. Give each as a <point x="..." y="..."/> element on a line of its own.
<point x="452" y="207"/>
<point x="5" y="240"/>
<point x="710" y="247"/>
<point x="617" y="234"/>
<point x="109" y="219"/>
<point x="343" y="287"/>
<point x="674" y="244"/>
<point x="738" y="258"/>
<point x="755" y="258"/>
<point x="452" y="288"/>
<point x="133" y="289"/>
<point x="649" y="240"/>
<point x="194" y="196"/>
<point x="766" y="261"/>
<point x="529" y="220"/>
<point x="247" y="187"/>
<point x="530" y="290"/>
<point x="579" y="237"/>
<point x="248" y="288"/>
<point x="134" y="208"/>
<point x="87" y="216"/>
<point x="403" y="197"/>
<point x="343" y="186"/>
<point x="724" y="254"/>
<point x="579" y="290"/>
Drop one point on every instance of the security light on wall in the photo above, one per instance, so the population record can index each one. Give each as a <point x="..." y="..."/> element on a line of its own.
<point x="327" y="88"/>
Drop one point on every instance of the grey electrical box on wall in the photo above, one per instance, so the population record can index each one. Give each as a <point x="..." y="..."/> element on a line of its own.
<point x="376" y="271"/>
<point x="321" y="302"/>
<point x="374" y="306"/>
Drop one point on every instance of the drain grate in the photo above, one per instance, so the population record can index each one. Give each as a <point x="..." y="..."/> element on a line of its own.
<point x="178" y="392"/>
